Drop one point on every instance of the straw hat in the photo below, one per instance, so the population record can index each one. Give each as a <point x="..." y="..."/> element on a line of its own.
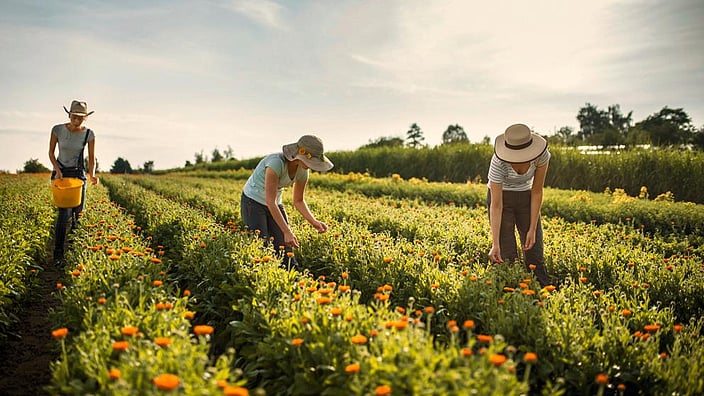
<point x="79" y="109"/>
<point x="308" y="149"/>
<point x="518" y="144"/>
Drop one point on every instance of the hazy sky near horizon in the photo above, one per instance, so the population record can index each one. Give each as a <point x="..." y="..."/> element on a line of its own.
<point x="170" y="78"/>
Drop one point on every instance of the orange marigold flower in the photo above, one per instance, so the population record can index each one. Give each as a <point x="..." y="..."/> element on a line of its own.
<point x="343" y="288"/>
<point x="297" y="341"/>
<point x="532" y="267"/>
<point x="352" y="368"/>
<point x="312" y="289"/>
<point x="189" y="315"/>
<point x="325" y="292"/>
<point x="203" y="330"/>
<point x="583" y="279"/>
<point x="485" y="338"/>
<point x="626" y="313"/>
<point x="336" y="311"/>
<point x="509" y="289"/>
<point x="120" y="345"/>
<point x="400" y="324"/>
<point x="528" y="292"/>
<point x="162" y="341"/>
<point x="345" y="275"/>
<point x="102" y="300"/>
<point x="323" y="300"/>
<point x="59" y="285"/>
<point x="677" y="328"/>
<point x="166" y="381"/>
<point x="621" y="387"/>
<point x="497" y="359"/>
<point x="663" y="355"/>
<point x="383" y="390"/>
<point x="359" y="339"/>
<point x="652" y="328"/>
<point x="550" y="288"/>
<point x="221" y="384"/>
<point x="381" y="297"/>
<point x="373" y="333"/>
<point x="451" y="323"/>
<point x="157" y="283"/>
<point x="76" y="273"/>
<point x="467" y="352"/>
<point x="530" y="357"/>
<point x="387" y="259"/>
<point x="59" y="333"/>
<point x="160" y="306"/>
<point x="114" y="374"/>
<point x="602" y="379"/>
<point x="429" y="309"/>
<point x="235" y="391"/>
<point x="155" y="260"/>
<point x="114" y="257"/>
<point x="468" y="324"/>
<point x="129" y="330"/>
<point x="296" y="297"/>
<point x="186" y="292"/>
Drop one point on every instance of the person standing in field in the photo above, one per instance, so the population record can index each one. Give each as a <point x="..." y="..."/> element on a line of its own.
<point x="515" y="196"/>
<point x="71" y="138"/>
<point x="261" y="204"/>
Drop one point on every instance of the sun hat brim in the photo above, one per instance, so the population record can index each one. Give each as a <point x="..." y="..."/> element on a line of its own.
<point x="528" y="153"/>
<point x="317" y="164"/>
<point x="78" y="113"/>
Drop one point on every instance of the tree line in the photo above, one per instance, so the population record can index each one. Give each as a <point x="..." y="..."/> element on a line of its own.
<point x="597" y="127"/>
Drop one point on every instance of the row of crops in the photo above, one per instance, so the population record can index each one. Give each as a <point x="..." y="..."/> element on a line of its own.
<point x="166" y="290"/>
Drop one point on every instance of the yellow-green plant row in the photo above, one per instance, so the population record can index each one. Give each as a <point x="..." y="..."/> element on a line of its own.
<point x="629" y="306"/>
<point x="26" y="217"/>
<point x="123" y="325"/>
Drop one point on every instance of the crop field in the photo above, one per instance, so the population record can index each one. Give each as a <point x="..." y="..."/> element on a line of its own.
<point x="166" y="292"/>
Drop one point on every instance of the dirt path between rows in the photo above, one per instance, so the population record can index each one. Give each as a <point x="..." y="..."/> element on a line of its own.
<point x="25" y="356"/>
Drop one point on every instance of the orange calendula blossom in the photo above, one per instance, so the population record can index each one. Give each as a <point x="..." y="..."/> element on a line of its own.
<point x="497" y="359"/>
<point x="359" y="339"/>
<point x="203" y="330"/>
<point x="352" y="368"/>
<point x="120" y="346"/>
<point x="162" y="341"/>
<point x="383" y="390"/>
<point x="129" y="330"/>
<point x="297" y="341"/>
<point x="530" y="357"/>
<point x="166" y="381"/>
<point x="486" y="339"/>
<point x="59" y="333"/>
<point x="602" y="379"/>
<point x="235" y="391"/>
<point x="114" y="374"/>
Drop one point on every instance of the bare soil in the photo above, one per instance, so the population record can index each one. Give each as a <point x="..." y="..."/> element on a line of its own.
<point x="25" y="356"/>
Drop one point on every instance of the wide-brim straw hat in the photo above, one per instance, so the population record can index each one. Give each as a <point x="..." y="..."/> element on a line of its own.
<point x="78" y="108"/>
<point x="308" y="149"/>
<point x="518" y="144"/>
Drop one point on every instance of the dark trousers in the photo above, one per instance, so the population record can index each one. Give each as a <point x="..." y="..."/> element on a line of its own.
<point x="66" y="214"/>
<point x="516" y="215"/>
<point x="257" y="217"/>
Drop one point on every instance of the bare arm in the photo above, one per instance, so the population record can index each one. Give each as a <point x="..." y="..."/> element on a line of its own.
<point x="91" y="162"/>
<point x="300" y="203"/>
<point x="270" y="190"/>
<point x="53" y="142"/>
<point x="497" y="207"/>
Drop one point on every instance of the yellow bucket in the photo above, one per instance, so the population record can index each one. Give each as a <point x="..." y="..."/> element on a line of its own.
<point x="67" y="192"/>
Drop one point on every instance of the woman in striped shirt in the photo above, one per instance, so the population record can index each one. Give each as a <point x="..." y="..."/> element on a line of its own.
<point x="516" y="178"/>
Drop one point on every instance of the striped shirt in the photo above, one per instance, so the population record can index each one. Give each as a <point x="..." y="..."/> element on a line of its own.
<point x="501" y="172"/>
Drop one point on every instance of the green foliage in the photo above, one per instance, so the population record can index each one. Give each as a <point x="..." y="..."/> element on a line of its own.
<point x="34" y="166"/>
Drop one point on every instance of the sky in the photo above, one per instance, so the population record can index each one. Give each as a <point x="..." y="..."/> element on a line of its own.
<point x="171" y="78"/>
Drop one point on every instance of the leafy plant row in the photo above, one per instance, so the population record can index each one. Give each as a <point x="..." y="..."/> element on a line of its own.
<point x="26" y="218"/>
<point x="611" y="269"/>
<point x="123" y="325"/>
<point x="300" y="335"/>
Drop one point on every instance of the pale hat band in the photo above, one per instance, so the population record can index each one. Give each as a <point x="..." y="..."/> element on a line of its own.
<point x="309" y="150"/>
<point x="518" y="144"/>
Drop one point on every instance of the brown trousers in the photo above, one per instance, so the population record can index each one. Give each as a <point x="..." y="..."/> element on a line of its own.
<point x="516" y="215"/>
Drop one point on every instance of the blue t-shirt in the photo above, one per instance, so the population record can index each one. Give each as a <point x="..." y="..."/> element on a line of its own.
<point x="256" y="184"/>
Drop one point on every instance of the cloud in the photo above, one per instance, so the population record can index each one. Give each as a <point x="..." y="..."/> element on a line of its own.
<point x="263" y="12"/>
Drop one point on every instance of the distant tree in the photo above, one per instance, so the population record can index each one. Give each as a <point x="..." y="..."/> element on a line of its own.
<point x="566" y="135"/>
<point x="414" y="136"/>
<point x="454" y="134"/>
<point x="603" y="127"/>
<point x="121" y="166"/>
<point x="187" y="164"/>
<point x="668" y="127"/>
<point x="384" y="142"/>
<point x="148" y="167"/>
<point x="216" y="156"/>
<point x="34" y="166"/>
<point x="698" y="138"/>
<point x="200" y="157"/>
<point x="229" y="154"/>
<point x="486" y="140"/>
